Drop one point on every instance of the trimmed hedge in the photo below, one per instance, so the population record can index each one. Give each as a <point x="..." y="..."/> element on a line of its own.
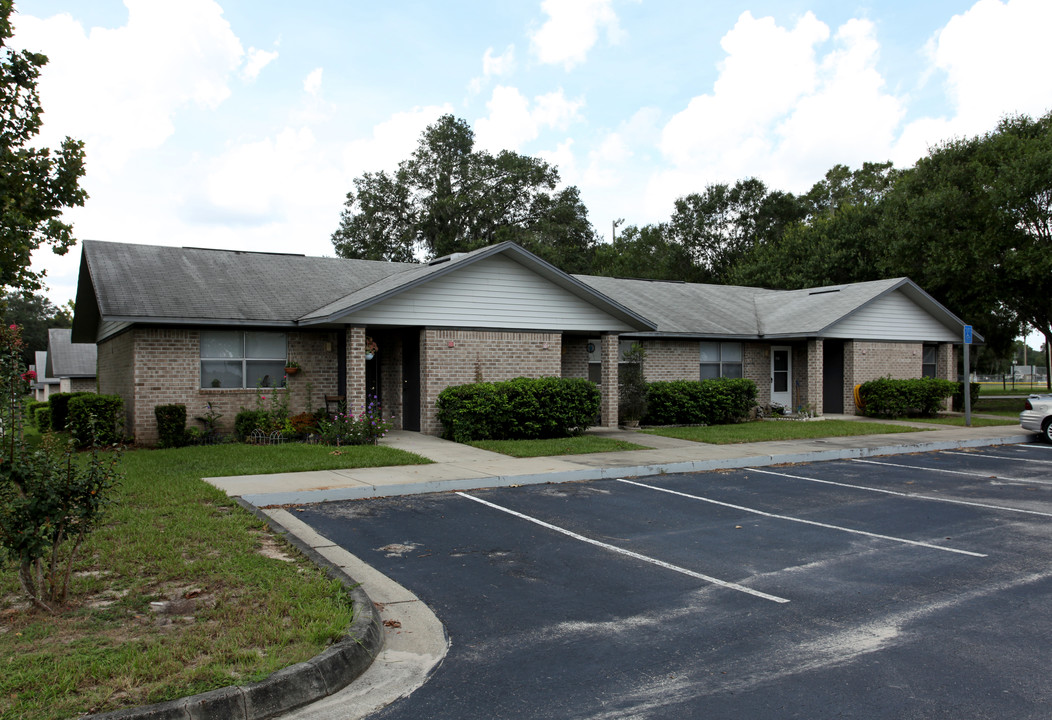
<point x="171" y="425"/>
<point x="523" y="408"/>
<point x="31" y="413"/>
<point x="958" y="396"/>
<point x="42" y="418"/>
<point x="897" y="398"/>
<point x="96" y="419"/>
<point x="59" y="403"/>
<point x="719" y="401"/>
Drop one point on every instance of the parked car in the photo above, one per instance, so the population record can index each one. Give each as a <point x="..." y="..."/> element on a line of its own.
<point x="1037" y="415"/>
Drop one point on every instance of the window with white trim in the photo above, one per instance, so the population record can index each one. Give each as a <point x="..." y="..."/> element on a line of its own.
<point x="242" y="359"/>
<point x="720" y="360"/>
<point x="930" y="361"/>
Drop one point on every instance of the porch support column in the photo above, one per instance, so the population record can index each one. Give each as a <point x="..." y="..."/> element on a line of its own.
<point x="608" y="386"/>
<point x="355" y="369"/>
<point x="946" y="368"/>
<point x="815" y="374"/>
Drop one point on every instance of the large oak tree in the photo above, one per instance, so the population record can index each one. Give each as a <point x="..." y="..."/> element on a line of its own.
<point x="451" y="197"/>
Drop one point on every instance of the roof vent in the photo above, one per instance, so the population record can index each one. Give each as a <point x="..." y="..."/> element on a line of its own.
<point x="447" y="258"/>
<point x="823" y="292"/>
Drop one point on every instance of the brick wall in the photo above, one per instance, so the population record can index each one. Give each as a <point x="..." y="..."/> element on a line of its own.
<point x="115" y="360"/>
<point x="671" y="360"/>
<point x="458" y="357"/>
<point x="865" y="361"/>
<point x="574" y="357"/>
<point x="148" y="367"/>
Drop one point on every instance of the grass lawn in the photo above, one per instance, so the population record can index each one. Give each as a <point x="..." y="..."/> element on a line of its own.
<point x="557" y="446"/>
<point x="959" y="420"/>
<point x="1008" y="407"/>
<point x="778" y="430"/>
<point x="1019" y="389"/>
<point x="242" y="603"/>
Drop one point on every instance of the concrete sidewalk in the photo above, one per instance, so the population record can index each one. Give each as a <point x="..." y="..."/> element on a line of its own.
<point x="461" y="467"/>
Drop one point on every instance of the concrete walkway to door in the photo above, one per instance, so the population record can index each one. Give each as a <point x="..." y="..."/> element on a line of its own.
<point x="462" y="467"/>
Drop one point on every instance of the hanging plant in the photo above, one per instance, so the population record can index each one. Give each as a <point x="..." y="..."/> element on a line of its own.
<point x="370" y="348"/>
<point x="292" y="367"/>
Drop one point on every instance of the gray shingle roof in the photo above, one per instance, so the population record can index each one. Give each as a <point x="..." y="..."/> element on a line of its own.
<point x="745" y="312"/>
<point x="147" y="282"/>
<point x="68" y="359"/>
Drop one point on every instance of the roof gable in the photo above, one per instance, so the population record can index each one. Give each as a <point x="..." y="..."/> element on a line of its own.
<point x="68" y="359"/>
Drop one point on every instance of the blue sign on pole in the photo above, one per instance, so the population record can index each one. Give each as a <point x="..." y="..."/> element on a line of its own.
<point x="968" y="334"/>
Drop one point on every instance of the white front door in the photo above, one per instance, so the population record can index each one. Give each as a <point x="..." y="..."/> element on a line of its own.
<point x="782" y="376"/>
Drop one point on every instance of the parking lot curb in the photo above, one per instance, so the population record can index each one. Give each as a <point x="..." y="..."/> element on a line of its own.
<point x="291" y="687"/>
<point x="307" y="497"/>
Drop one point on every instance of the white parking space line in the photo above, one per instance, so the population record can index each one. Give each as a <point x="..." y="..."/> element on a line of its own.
<point x="911" y="496"/>
<point x="1038" y="447"/>
<point x="628" y="553"/>
<point x="996" y="457"/>
<point x="985" y="476"/>
<point x="801" y="520"/>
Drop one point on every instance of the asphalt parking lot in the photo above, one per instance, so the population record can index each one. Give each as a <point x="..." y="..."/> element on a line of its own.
<point x="913" y="586"/>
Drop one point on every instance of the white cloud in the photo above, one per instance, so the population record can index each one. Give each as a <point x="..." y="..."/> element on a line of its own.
<point x="497" y="65"/>
<point x="391" y="141"/>
<point x="312" y="83"/>
<point x="781" y="111"/>
<point x="257" y="60"/>
<point x="995" y="59"/>
<point x="572" y="29"/>
<point x="511" y="121"/>
<point x="118" y="89"/>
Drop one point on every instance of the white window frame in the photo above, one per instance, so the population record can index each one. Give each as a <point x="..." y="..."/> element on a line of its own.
<point x="244" y="358"/>
<point x="934" y="364"/>
<point x="721" y="364"/>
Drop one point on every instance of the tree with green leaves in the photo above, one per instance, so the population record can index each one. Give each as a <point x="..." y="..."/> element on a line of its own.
<point x="451" y="197"/>
<point x="722" y="224"/>
<point x="35" y="314"/>
<point x="36" y="185"/>
<point x="648" y="253"/>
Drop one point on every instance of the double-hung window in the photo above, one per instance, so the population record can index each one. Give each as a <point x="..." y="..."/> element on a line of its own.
<point x="721" y="360"/>
<point x="929" y="361"/>
<point x="239" y="359"/>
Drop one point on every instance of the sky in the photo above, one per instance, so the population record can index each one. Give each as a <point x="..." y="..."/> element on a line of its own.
<point x="242" y="124"/>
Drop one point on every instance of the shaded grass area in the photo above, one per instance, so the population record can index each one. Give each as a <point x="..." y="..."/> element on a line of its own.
<point x="233" y="603"/>
<point x="556" y="446"/>
<point x="1008" y="407"/>
<point x="778" y="430"/>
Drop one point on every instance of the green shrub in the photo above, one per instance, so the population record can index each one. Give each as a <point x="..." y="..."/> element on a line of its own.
<point x="885" y="397"/>
<point x="60" y="409"/>
<point x="248" y="420"/>
<point x="31" y="412"/>
<point x="523" y="408"/>
<point x="719" y="401"/>
<point x="171" y="425"/>
<point x="958" y="396"/>
<point x="365" y="428"/>
<point x="96" y="420"/>
<point x="42" y="418"/>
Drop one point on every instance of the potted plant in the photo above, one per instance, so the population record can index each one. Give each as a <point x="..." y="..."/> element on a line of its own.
<point x="370" y="348"/>
<point x="291" y="367"/>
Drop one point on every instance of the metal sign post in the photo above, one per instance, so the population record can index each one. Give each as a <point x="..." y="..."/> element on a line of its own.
<point x="967" y="377"/>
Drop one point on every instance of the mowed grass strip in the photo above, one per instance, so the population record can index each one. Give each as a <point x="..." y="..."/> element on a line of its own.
<point x="232" y="603"/>
<point x="958" y="420"/>
<point x="761" y="431"/>
<point x="579" y="445"/>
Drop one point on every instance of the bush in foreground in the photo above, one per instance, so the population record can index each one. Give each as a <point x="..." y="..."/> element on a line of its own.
<point x="519" y="409"/>
<point x="886" y="397"/>
<point x="719" y="401"/>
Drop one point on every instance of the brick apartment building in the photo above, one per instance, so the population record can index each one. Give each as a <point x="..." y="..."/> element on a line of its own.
<point x="197" y="326"/>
